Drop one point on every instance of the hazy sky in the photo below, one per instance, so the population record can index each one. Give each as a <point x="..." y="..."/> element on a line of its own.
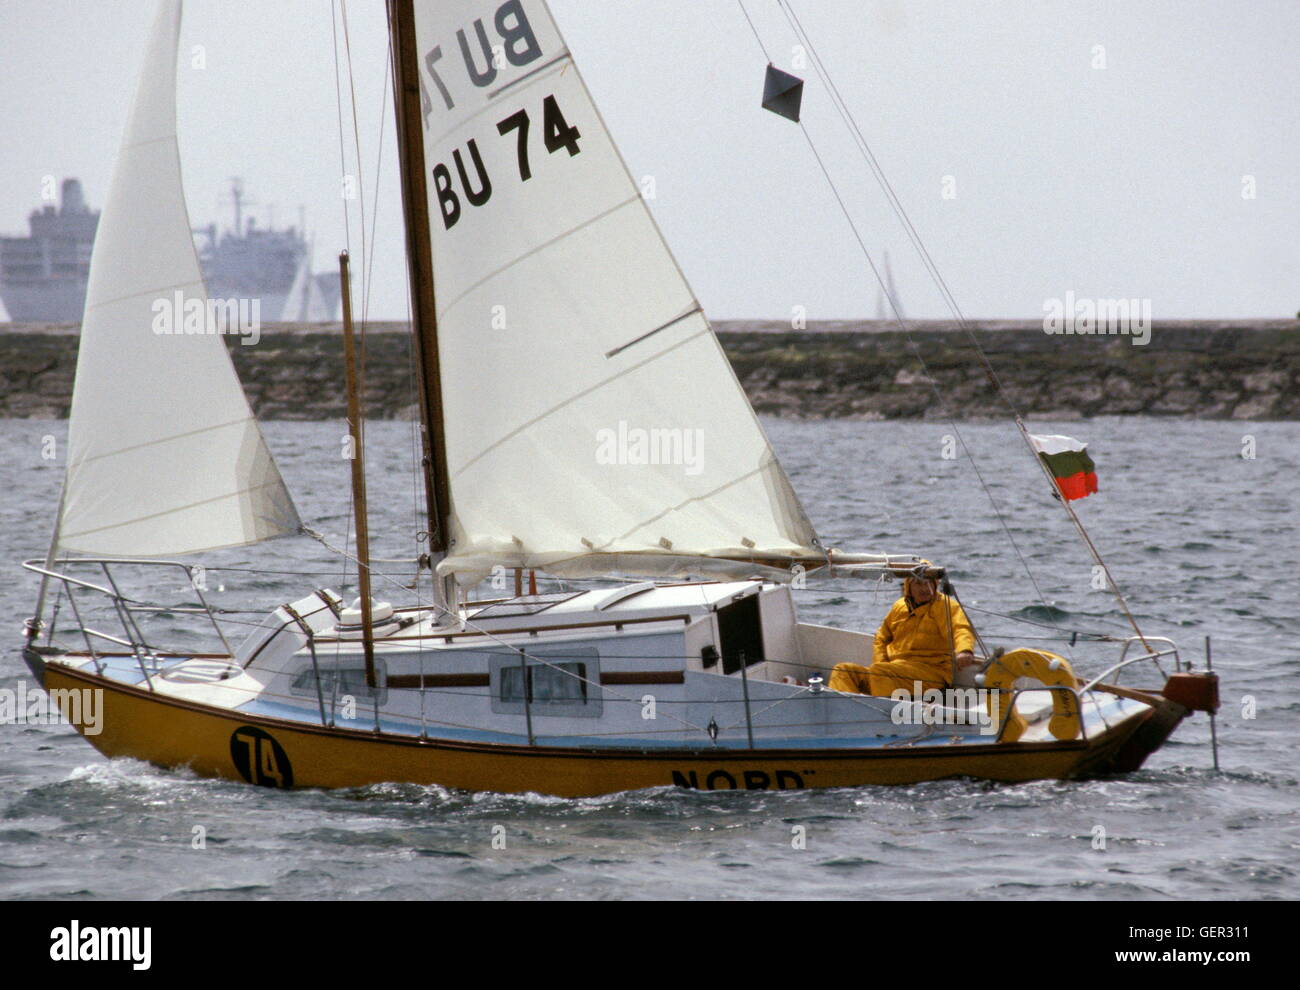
<point x="1122" y="181"/>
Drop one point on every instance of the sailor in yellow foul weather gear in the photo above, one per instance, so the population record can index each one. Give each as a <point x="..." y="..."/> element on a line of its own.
<point x="913" y="644"/>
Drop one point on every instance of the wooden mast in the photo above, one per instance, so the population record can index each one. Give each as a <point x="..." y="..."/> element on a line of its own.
<point x="419" y="255"/>
<point x="358" y="471"/>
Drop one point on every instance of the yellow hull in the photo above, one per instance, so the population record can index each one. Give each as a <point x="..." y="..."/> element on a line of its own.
<point x="280" y="753"/>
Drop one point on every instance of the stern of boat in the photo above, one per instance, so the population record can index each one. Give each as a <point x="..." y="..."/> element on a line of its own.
<point x="1183" y="693"/>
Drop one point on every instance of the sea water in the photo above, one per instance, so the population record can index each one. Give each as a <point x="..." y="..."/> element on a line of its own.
<point x="1199" y="522"/>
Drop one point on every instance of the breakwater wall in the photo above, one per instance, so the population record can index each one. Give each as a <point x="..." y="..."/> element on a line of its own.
<point x="1241" y="369"/>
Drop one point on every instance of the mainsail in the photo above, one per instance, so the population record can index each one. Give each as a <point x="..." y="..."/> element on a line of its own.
<point x="593" y="423"/>
<point x="164" y="455"/>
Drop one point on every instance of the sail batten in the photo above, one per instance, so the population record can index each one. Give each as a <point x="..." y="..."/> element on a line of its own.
<point x="164" y="455"/>
<point x="590" y="416"/>
<point x="150" y="293"/>
<point x="469" y="119"/>
<point x="569" y="400"/>
<point x="541" y="247"/>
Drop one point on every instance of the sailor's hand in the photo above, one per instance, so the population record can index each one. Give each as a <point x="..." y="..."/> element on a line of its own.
<point x="966" y="659"/>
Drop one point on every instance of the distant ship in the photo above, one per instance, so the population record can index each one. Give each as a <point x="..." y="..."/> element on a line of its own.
<point x="43" y="276"/>
<point x="252" y="262"/>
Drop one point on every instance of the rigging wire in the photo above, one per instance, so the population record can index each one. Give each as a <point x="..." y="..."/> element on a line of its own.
<point x="905" y="325"/>
<point x="374" y="208"/>
<point x="338" y="102"/>
<point x="361" y="207"/>
<point x="347" y="240"/>
<point x="757" y="37"/>
<point x="932" y="268"/>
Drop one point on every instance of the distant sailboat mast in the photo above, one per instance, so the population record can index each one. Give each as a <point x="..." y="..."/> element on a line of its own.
<point x="883" y="309"/>
<point x="305" y="302"/>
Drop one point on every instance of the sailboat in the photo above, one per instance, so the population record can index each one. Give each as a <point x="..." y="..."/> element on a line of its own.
<point x="887" y="299"/>
<point x="305" y="303"/>
<point x="604" y="436"/>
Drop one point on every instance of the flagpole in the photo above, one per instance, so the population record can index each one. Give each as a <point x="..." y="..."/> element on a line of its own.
<point x="1083" y="533"/>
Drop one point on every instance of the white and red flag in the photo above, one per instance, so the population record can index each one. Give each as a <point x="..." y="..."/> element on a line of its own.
<point x="1068" y="461"/>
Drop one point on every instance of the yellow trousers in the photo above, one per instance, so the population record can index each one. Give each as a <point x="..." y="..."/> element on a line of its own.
<point x="883" y="679"/>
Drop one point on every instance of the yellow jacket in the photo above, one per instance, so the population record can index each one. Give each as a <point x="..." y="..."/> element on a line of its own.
<point x="920" y="633"/>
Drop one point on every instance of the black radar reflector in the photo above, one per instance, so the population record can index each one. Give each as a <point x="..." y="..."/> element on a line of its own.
<point x="783" y="93"/>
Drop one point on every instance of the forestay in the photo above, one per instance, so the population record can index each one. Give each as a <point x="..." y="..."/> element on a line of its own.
<point x="593" y="422"/>
<point x="164" y="455"/>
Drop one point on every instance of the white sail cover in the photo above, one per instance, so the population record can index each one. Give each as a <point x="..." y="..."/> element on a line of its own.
<point x="164" y="455"/>
<point x="593" y="422"/>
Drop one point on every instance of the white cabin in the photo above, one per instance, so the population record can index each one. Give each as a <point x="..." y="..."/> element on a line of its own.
<point x="703" y="664"/>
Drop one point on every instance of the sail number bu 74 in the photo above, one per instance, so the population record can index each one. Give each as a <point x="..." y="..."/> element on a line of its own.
<point x="557" y="135"/>
<point x="516" y="44"/>
<point x="484" y="60"/>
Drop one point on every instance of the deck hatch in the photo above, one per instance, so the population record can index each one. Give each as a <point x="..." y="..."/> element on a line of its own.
<point x="525" y="605"/>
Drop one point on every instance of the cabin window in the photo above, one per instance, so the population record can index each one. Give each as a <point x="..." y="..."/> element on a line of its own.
<point x="558" y="681"/>
<point x="741" y="633"/>
<point x="343" y="679"/>
<point x="564" y="683"/>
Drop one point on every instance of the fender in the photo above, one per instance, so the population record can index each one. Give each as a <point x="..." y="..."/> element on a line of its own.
<point x="1046" y="668"/>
